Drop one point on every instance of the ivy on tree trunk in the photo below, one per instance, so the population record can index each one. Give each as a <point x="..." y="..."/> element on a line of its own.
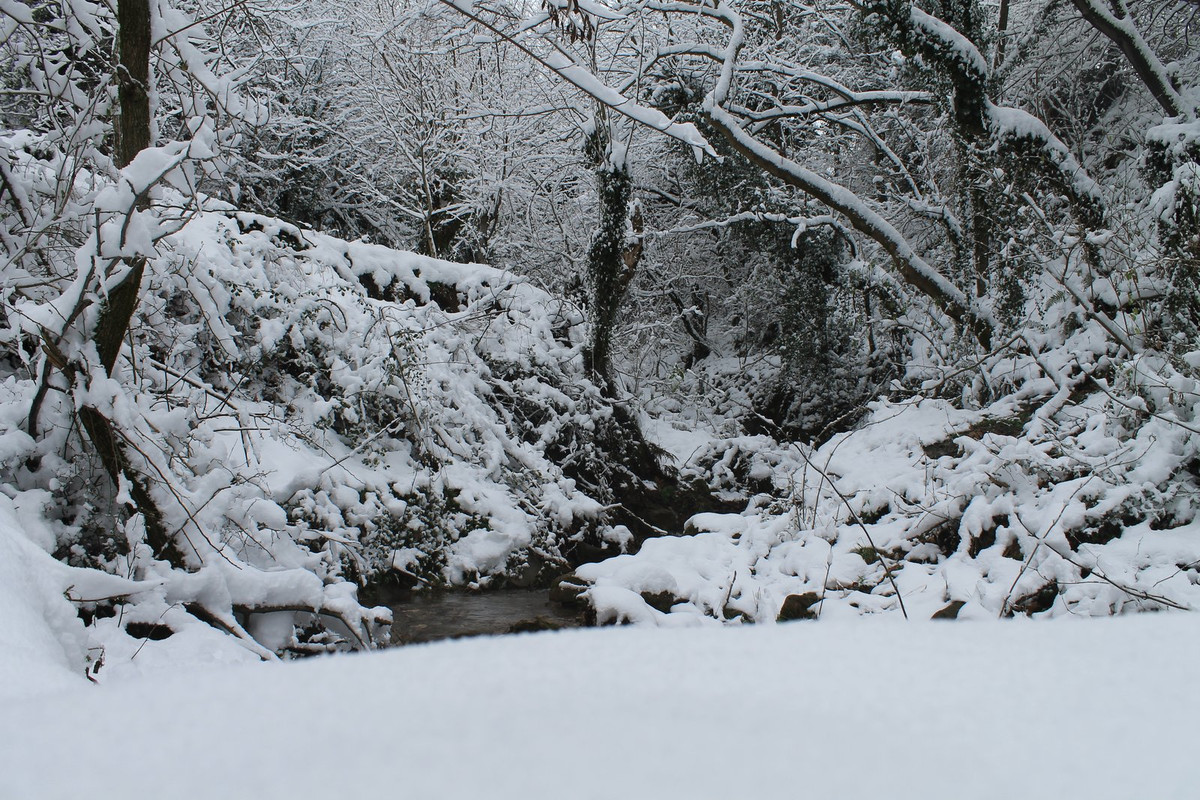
<point x="613" y="257"/>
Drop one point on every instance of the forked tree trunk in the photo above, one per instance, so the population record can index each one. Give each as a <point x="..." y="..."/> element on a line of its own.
<point x="132" y="136"/>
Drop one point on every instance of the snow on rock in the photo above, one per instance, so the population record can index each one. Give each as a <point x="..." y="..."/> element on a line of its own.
<point x="1030" y="506"/>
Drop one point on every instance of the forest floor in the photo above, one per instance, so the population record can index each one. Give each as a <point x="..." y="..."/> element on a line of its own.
<point x="848" y="708"/>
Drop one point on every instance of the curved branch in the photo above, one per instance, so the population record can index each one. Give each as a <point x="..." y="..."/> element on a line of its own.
<point x="1118" y="26"/>
<point x="564" y="67"/>
<point x="913" y="268"/>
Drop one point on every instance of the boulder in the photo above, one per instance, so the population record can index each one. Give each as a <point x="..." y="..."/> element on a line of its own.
<point x="798" y="606"/>
<point x="950" y="611"/>
<point x="566" y="590"/>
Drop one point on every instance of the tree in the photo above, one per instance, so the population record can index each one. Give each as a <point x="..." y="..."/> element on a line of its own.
<point x="133" y="135"/>
<point x="88" y="199"/>
<point x="616" y="247"/>
<point x="777" y="82"/>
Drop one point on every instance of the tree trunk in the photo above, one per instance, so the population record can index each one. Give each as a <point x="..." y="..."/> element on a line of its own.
<point x="611" y="261"/>
<point x="1001" y="33"/>
<point x="133" y="136"/>
<point x="133" y="79"/>
<point x="116" y="311"/>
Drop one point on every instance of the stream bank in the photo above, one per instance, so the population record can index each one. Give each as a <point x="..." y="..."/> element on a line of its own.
<point x="658" y="509"/>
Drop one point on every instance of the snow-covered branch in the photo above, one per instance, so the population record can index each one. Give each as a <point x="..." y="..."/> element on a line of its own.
<point x="1117" y="24"/>
<point x="561" y="64"/>
<point x="914" y="268"/>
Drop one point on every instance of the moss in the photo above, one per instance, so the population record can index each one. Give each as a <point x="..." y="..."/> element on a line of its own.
<point x="536" y="624"/>
<point x="867" y="553"/>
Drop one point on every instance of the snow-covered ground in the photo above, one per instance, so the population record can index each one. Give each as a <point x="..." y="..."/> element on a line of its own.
<point x="850" y="708"/>
<point x="996" y="510"/>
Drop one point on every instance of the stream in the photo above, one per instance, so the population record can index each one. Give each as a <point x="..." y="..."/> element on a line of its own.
<point x="453" y="614"/>
<point x="649" y="512"/>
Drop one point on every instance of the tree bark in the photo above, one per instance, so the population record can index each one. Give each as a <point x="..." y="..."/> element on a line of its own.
<point x="1001" y="33"/>
<point x="611" y="262"/>
<point x="133" y="135"/>
<point x="1118" y="27"/>
<point x="133" y="79"/>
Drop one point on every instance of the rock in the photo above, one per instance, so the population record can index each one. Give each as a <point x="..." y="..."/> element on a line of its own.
<point x="536" y="624"/>
<point x="1035" y="602"/>
<point x="798" y="606"/>
<point x="730" y="614"/>
<point x="946" y="447"/>
<point x="950" y="611"/>
<point x="660" y="601"/>
<point x="566" y="590"/>
<point x="587" y="553"/>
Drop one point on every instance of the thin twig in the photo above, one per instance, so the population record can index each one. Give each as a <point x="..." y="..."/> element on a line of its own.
<point x="854" y="515"/>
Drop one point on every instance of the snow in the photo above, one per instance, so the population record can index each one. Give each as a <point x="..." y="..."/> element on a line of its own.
<point x="1015" y="124"/>
<point x="429" y="396"/>
<point x="44" y="646"/>
<point x="981" y="507"/>
<point x="1096" y="709"/>
<point x="44" y="641"/>
<point x="313" y="412"/>
<point x="957" y="44"/>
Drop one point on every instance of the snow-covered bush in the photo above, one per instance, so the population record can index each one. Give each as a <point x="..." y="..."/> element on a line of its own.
<point x="1075" y="493"/>
<point x="302" y="406"/>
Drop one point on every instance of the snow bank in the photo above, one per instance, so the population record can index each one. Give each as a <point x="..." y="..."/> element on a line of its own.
<point x="309" y="414"/>
<point x="1098" y="709"/>
<point x="1034" y="505"/>
<point x="44" y="644"/>
<point x="400" y="407"/>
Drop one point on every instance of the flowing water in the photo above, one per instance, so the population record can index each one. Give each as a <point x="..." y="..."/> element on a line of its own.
<point x="453" y="614"/>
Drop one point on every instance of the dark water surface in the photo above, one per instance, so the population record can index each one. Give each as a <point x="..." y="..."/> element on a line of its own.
<point x="449" y="615"/>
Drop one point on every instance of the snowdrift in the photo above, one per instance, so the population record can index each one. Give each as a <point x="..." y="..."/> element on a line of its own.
<point x="928" y="711"/>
